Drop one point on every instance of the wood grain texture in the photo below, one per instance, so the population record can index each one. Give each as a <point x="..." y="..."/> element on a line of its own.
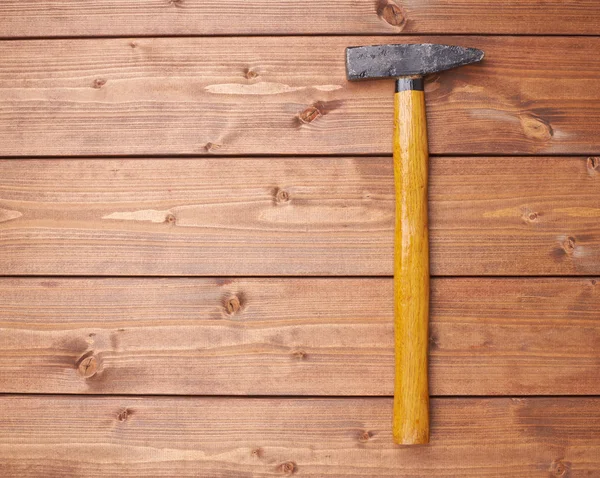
<point x="47" y="18"/>
<point x="293" y="216"/>
<point x="293" y="336"/>
<point x="207" y="96"/>
<point x="225" y="437"/>
<point x="411" y="270"/>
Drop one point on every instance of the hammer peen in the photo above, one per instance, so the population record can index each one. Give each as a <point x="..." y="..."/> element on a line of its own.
<point x="408" y="64"/>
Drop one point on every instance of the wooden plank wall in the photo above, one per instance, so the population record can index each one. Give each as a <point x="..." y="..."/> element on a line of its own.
<point x="274" y="95"/>
<point x="196" y="217"/>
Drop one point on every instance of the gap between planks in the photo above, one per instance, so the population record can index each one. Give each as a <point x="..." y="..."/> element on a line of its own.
<point x="299" y="35"/>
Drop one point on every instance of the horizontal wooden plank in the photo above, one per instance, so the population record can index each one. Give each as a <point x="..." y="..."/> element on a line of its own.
<point x="228" y="437"/>
<point x="47" y="18"/>
<point x="293" y="216"/>
<point x="531" y="95"/>
<point x="293" y="336"/>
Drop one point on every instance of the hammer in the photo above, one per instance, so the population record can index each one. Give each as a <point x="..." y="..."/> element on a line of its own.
<point x="408" y="64"/>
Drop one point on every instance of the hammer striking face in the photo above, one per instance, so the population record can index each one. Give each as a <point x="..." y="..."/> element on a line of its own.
<point x="408" y="64"/>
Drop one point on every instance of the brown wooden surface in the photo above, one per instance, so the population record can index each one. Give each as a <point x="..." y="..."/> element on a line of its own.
<point x="228" y="437"/>
<point x="293" y="336"/>
<point x="524" y="211"/>
<point x="272" y="95"/>
<point x="293" y="216"/>
<point x="39" y="18"/>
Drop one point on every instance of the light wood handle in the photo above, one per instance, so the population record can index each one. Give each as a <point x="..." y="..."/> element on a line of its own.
<point x="411" y="265"/>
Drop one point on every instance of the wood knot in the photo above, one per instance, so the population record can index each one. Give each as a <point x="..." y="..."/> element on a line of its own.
<point x="365" y="436"/>
<point x="258" y="453"/>
<point x="391" y="13"/>
<point x="299" y="355"/>
<point x="316" y="110"/>
<point x="432" y="82"/>
<point x="123" y="415"/>
<point x="250" y="74"/>
<point x="212" y="147"/>
<point x="176" y="3"/>
<point x="232" y="305"/>
<point x="170" y="218"/>
<point x="281" y="196"/>
<point x="433" y="342"/>
<point x="569" y="245"/>
<point x="287" y="468"/>
<point x="99" y="83"/>
<point x="530" y="217"/>
<point x="310" y="114"/>
<point x="560" y="468"/>
<point x="88" y="366"/>
<point x="593" y="163"/>
<point x="536" y="128"/>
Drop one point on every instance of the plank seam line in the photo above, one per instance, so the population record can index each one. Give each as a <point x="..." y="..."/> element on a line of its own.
<point x="308" y="277"/>
<point x="287" y="156"/>
<point x="292" y="35"/>
<point x="289" y="397"/>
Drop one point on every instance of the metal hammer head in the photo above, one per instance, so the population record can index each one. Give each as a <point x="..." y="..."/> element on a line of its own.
<point x="394" y="61"/>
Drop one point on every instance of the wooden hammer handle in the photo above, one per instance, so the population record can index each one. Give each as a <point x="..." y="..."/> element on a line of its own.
<point x="411" y="265"/>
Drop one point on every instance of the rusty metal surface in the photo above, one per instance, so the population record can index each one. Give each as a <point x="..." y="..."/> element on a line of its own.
<point x="393" y="61"/>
